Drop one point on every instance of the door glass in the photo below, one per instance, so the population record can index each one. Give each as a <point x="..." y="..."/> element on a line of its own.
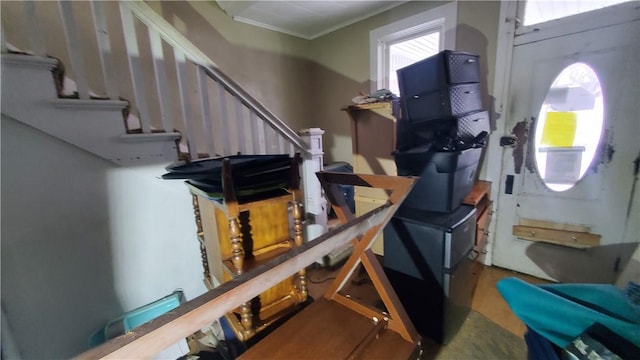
<point x="569" y="126"/>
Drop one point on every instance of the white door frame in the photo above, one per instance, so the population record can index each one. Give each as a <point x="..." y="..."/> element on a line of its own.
<point x="507" y="32"/>
<point x="504" y="52"/>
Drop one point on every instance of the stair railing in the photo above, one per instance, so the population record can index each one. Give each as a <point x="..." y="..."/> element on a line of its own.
<point x="206" y="68"/>
<point x="258" y="129"/>
<point x="232" y="121"/>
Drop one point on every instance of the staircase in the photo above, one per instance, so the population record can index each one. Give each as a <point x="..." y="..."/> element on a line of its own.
<point x="162" y="108"/>
<point x="29" y="95"/>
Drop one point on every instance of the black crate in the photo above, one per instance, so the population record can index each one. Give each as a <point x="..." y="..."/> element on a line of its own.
<point x="452" y="101"/>
<point x="459" y="133"/>
<point x="446" y="178"/>
<point x="438" y="72"/>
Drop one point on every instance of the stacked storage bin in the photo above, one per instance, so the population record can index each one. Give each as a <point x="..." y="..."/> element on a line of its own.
<point x="428" y="248"/>
<point x="442" y="129"/>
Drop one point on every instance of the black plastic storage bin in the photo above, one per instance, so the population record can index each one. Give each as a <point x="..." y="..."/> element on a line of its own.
<point x="437" y="72"/>
<point x="443" y="85"/>
<point x="446" y="178"/>
<point x="455" y="100"/>
<point x="462" y="132"/>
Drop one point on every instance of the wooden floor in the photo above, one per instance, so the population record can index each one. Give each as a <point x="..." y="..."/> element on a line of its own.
<point x="342" y="331"/>
<point x="486" y="301"/>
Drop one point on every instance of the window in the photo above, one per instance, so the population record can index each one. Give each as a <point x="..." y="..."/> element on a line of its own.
<point x="539" y="11"/>
<point x="409" y="40"/>
<point x="407" y="52"/>
<point x="569" y="127"/>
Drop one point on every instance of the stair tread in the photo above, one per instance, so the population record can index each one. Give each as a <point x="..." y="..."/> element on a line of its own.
<point x="90" y="104"/>
<point x="29" y="60"/>
<point x="150" y="136"/>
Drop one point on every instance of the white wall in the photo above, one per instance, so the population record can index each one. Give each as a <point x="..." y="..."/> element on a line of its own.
<point x="84" y="240"/>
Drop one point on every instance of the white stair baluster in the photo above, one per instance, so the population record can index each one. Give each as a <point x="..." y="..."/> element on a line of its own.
<point x="250" y="136"/>
<point x="75" y="48"/>
<point x="133" y="55"/>
<point x="33" y="29"/>
<point x="268" y="138"/>
<point x="224" y="119"/>
<point x="160" y="73"/>
<point x="205" y="110"/>
<point x="258" y="134"/>
<point x="242" y="145"/>
<point x="281" y="144"/>
<point x="181" y="71"/>
<point x="104" y="50"/>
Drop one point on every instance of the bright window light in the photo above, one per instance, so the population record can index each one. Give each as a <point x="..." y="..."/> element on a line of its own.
<point x="539" y="11"/>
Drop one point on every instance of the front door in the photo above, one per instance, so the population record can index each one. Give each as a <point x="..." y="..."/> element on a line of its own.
<point x="574" y="95"/>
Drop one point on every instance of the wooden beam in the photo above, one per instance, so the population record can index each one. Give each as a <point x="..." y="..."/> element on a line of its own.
<point x="400" y="321"/>
<point x="156" y="335"/>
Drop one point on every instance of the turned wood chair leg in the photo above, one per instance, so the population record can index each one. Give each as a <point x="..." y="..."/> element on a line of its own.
<point x="299" y="239"/>
<point x="235" y="236"/>
<point x="203" y="249"/>
<point x="297" y="213"/>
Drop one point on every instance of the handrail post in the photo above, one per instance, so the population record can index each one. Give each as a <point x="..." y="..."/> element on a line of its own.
<point x="314" y="202"/>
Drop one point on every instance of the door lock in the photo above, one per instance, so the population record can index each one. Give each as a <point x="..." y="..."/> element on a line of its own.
<point x="509" y="141"/>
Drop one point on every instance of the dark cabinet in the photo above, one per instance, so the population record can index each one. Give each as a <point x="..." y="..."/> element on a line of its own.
<point x="428" y="259"/>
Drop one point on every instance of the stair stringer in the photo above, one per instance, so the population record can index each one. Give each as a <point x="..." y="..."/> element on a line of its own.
<point x="29" y="96"/>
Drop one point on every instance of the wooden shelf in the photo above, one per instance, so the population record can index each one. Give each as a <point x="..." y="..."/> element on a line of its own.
<point x="480" y="190"/>
<point x="482" y="226"/>
<point x="368" y="106"/>
<point x="260" y="257"/>
<point x="479" y="197"/>
<point x="567" y="238"/>
<point x="257" y="203"/>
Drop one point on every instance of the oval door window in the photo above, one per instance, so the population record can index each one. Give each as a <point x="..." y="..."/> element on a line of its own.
<point x="569" y="127"/>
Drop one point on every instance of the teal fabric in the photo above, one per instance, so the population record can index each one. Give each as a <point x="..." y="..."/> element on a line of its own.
<point x="561" y="312"/>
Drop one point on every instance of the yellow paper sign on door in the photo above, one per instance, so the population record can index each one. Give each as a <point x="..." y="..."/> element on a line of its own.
<point x="559" y="129"/>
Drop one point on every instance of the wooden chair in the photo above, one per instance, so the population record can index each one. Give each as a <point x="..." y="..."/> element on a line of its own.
<point x="238" y="236"/>
<point x="258" y="232"/>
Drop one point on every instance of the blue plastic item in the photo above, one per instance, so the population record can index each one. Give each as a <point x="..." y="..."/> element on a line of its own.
<point x="135" y="318"/>
<point x="561" y="312"/>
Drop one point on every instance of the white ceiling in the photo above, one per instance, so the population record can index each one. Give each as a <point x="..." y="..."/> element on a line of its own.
<point x="304" y="19"/>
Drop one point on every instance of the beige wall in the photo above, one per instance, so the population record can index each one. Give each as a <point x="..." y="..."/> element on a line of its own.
<point x="269" y="65"/>
<point x="477" y="33"/>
